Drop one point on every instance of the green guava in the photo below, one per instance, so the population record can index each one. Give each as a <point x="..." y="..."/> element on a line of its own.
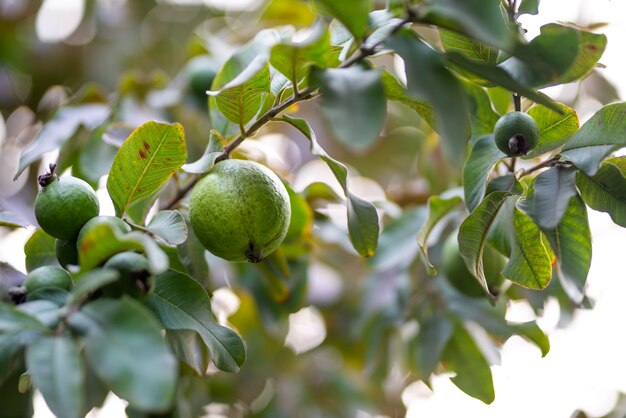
<point x="66" y="252"/>
<point x="116" y="224"/>
<point x="48" y="276"/>
<point x="240" y="211"/>
<point x="64" y="204"/>
<point x="201" y="71"/>
<point x="516" y="133"/>
<point x="135" y="278"/>
<point x="460" y="277"/>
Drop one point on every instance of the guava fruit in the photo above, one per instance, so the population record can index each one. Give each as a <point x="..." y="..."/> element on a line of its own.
<point x="64" y="204"/>
<point x="47" y="276"/>
<point x="516" y="133"/>
<point x="135" y="278"/>
<point x="116" y="224"/>
<point x="201" y="71"/>
<point x="240" y="211"/>
<point x="66" y="252"/>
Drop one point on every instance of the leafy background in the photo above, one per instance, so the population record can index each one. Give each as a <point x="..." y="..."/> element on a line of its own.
<point x="584" y="368"/>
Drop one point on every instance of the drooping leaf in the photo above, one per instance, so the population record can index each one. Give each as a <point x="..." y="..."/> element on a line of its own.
<point x="60" y="128"/>
<point x="353" y="14"/>
<point x="473" y="235"/>
<point x="125" y="348"/>
<point x="438" y="207"/>
<point x="604" y="133"/>
<point x="555" y="128"/>
<point x="482" y="157"/>
<point x="429" y="80"/>
<point x="181" y="303"/>
<point x="102" y="242"/>
<point x="529" y="265"/>
<point x="57" y="370"/>
<point x="39" y="250"/>
<point x="189" y="348"/>
<point x="397" y="92"/>
<point x="606" y="190"/>
<point x="352" y="94"/>
<point x="170" y="226"/>
<point x="473" y="375"/>
<point x="362" y="216"/>
<point x="429" y="344"/>
<point x="150" y="155"/>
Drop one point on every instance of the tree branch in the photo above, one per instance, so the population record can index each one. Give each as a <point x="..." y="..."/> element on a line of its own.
<point x="547" y="163"/>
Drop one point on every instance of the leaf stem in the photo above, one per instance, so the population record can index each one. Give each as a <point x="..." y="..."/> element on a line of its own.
<point x="547" y="163"/>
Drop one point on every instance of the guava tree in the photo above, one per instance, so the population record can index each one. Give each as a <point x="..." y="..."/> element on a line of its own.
<point x="488" y="183"/>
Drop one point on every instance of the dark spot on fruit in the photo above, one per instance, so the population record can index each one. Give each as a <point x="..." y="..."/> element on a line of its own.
<point x="142" y="155"/>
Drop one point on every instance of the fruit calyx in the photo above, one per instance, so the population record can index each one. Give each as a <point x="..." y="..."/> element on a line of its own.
<point x="47" y="178"/>
<point x="518" y="145"/>
<point x="253" y="254"/>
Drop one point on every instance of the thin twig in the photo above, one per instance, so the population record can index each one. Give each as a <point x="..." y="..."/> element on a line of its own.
<point x="547" y="163"/>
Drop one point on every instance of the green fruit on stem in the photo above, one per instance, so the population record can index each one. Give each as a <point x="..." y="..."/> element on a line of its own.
<point x="66" y="252"/>
<point x="135" y="278"/>
<point x="516" y="133"/>
<point x="460" y="277"/>
<point x="48" y="276"/>
<point x="240" y="211"/>
<point x="114" y="222"/>
<point x="64" y="204"/>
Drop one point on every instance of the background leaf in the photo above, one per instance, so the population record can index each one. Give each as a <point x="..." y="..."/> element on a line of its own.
<point x="170" y="226"/>
<point x="397" y="92"/>
<point x="555" y="128"/>
<point x="606" y="190"/>
<point x="353" y="14"/>
<point x="12" y="220"/>
<point x="39" y="250"/>
<point x="150" y="155"/>
<point x="432" y="339"/>
<point x="483" y="155"/>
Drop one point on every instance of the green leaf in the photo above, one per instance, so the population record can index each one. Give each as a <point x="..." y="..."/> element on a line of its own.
<point x="473" y="375"/>
<point x="125" y="348"/>
<point x="482" y="115"/>
<point x="482" y="157"/>
<point x="191" y="254"/>
<point x="591" y="46"/>
<point x="571" y="242"/>
<point x="60" y="128"/>
<point x="529" y="264"/>
<point x="397" y="92"/>
<point x="39" y="250"/>
<point x="301" y="222"/>
<point x="189" y="348"/>
<point x="604" y="133"/>
<point x="362" y="216"/>
<point x="14" y="319"/>
<point x="429" y="80"/>
<point x="468" y="47"/>
<point x="438" y="208"/>
<point x="12" y="220"/>
<point x="150" y="155"/>
<point x="530" y="7"/>
<point x="170" y="226"/>
<point x="500" y="77"/>
<point x="91" y="281"/>
<point x="481" y="19"/>
<point x="550" y="196"/>
<point x="352" y="94"/>
<point x="181" y="303"/>
<point x="295" y="59"/>
<point x="57" y="370"/>
<point x="397" y="246"/>
<point x="240" y="99"/>
<point x="473" y="235"/>
<point x="10" y="345"/>
<point x="434" y="335"/>
<point x="353" y="14"/>
<point x="555" y="128"/>
<point x="606" y="190"/>
<point x="103" y="241"/>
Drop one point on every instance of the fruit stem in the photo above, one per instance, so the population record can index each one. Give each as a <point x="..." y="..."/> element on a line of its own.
<point x="47" y="178"/>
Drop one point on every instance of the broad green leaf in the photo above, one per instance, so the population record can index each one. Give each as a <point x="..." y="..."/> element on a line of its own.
<point x="473" y="235"/>
<point x="502" y="233"/>
<point x="397" y="246"/>
<point x="429" y="80"/>
<point x="530" y="7"/>
<point x="102" y="242"/>
<point x="555" y="49"/>
<point x="240" y="99"/>
<point x="482" y="115"/>
<point x="39" y="250"/>
<point x="590" y="48"/>
<point x="10" y="345"/>
<point x="500" y="77"/>
<point x="482" y="157"/>
<point x="353" y="14"/>
<point x="551" y="193"/>
<point x="14" y="319"/>
<point x="150" y="155"/>
<point x="571" y="242"/>
<point x="91" y="281"/>
<point x="181" y="303"/>
<point x="352" y="94"/>
<point x="189" y="348"/>
<point x="426" y="349"/>
<point x="170" y="226"/>
<point x="473" y="375"/>
<point x="481" y="19"/>
<point x="362" y="216"/>
<point x="12" y="220"/>
<point x="555" y="128"/>
<point x="125" y="348"/>
<point x="213" y="150"/>
<point x="48" y="312"/>
<point x="467" y="46"/>
<point x="58" y="372"/>
<point x="301" y="222"/>
<point x="295" y="59"/>
<point x="438" y="208"/>
<point x="62" y="127"/>
<point x="604" y="133"/>
<point x="397" y="92"/>
<point x="191" y="254"/>
<point x="529" y="264"/>
<point x="606" y="190"/>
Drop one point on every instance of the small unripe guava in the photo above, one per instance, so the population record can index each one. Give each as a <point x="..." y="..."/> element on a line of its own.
<point x="516" y="133"/>
<point x="240" y="211"/>
<point x="66" y="252"/>
<point x="116" y="224"/>
<point x="48" y="276"/>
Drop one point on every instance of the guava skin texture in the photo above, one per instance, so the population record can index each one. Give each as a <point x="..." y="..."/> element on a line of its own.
<point x="47" y="276"/>
<point x="116" y="223"/>
<point x="64" y="205"/>
<point x="240" y="211"/>
<point x="66" y="252"/>
<point x="516" y="134"/>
